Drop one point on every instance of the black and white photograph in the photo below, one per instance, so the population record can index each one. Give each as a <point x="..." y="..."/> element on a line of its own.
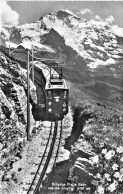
<point x="61" y="97"/>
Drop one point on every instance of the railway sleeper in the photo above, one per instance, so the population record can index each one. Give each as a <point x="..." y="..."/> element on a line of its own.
<point x="32" y="173"/>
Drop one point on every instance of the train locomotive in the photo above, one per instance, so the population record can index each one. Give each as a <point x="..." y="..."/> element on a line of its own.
<point x="56" y="93"/>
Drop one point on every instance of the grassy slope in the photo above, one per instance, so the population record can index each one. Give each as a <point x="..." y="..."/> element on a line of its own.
<point x="104" y="119"/>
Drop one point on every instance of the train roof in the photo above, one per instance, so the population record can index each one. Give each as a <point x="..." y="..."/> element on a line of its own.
<point x="44" y="68"/>
<point x="50" y="83"/>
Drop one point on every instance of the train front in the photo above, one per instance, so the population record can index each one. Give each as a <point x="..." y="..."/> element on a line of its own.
<point x="57" y="95"/>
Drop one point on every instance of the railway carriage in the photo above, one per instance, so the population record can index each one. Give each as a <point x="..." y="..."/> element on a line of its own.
<point x="56" y="93"/>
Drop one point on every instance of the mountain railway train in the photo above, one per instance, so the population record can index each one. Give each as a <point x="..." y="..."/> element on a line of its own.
<point x="55" y="93"/>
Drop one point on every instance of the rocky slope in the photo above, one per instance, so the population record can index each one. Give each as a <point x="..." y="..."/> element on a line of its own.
<point x="22" y="173"/>
<point x="13" y="110"/>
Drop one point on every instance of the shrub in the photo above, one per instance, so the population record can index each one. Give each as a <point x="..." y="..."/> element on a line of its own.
<point x="109" y="178"/>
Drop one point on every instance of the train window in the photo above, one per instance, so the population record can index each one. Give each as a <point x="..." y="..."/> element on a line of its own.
<point x="49" y="94"/>
<point x="56" y="93"/>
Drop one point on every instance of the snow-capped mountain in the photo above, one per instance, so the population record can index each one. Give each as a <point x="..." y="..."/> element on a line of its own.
<point x="92" y="40"/>
<point x="91" y="50"/>
<point x="24" y="35"/>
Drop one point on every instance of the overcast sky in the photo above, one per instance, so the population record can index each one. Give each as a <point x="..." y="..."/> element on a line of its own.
<point x="20" y="12"/>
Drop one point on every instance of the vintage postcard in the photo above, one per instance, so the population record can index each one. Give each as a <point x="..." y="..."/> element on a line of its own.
<point x="61" y="97"/>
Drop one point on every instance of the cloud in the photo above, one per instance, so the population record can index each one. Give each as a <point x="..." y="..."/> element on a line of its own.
<point x="97" y="17"/>
<point x="117" y="31"/>
<point x="8" y="15"/>
<point x="85" y="11"/>
<point x="110" y="19"/>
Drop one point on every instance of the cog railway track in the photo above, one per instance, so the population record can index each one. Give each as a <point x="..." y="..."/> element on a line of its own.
<point x="50" y="149"/>
<point x="36" y="183"/>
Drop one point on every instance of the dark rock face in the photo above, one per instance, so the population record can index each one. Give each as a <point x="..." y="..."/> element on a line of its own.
<point x="79" y="122"/>
<point x="120" y="40"/>
<point x="15" y="36"/>
<point x="53" y="38"/>
<point x="6" y="89"/>
<point x="6" y="111"/>
<point x="65" y="15"/>
<point x="2" y="41"/>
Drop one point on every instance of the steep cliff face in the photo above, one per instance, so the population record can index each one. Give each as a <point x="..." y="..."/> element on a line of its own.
<point x="13" y="105"/>
<point x="53" y="38"/>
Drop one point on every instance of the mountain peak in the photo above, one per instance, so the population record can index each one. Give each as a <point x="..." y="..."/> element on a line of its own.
<point x="61" y="14"/>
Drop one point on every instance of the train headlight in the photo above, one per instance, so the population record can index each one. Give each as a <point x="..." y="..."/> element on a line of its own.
<point x="57" y="99"/>
<point x="64" y="109"/>
<point x="49" y="103"/>
<point x="64" y="104"/>
<point x="49" y="110"/>
<point x="65" y="94"/>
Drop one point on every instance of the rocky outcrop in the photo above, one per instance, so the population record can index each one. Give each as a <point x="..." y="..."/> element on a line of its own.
<point x="64" y="14"/>
<point x="15" y="36"/>
<point x="53" y="38"/>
